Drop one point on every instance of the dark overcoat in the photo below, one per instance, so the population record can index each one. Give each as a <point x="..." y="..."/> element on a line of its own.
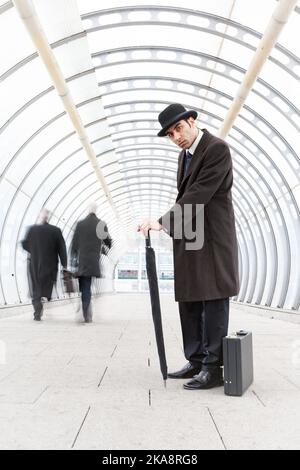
<point x="45" y="244"/>
<point x="90" y="233"/>
<point x="212" y="271"/>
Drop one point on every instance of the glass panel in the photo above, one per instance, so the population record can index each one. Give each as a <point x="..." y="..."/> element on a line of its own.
<point x="15" y="38"/>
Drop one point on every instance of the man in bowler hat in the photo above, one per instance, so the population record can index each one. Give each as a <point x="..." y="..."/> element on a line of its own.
<point x="205" y="277"/>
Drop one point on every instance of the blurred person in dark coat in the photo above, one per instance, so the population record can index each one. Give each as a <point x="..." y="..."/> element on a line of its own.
<point x="90" y="236"/>
<point x="45" y="244"/>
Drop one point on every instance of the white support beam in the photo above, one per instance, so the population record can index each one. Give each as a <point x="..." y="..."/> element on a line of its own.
<point x="34" y="27"/>
<point x="276" y="24"/>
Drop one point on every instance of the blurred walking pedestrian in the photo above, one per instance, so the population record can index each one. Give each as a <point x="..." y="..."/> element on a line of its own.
<point x="91" y="234"/>
<point x="45" y="244"/>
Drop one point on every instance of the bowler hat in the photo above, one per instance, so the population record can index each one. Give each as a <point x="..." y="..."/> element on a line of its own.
<point x="172" y="114"/>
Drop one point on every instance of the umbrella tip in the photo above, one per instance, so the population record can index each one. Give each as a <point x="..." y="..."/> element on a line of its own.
<point x="165" y="383"/>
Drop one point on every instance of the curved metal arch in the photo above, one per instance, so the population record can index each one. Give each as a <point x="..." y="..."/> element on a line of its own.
<point x="83" y="211"/>
<point x="246" y="136"/>
<point x="104" y="118"/>
<point x="274" y="245"/>
<point x="88" y="101"/>
<point x="241" y="229"/>
<point x="150" y="157"/>
<point x="273" y="164"/>
<point x="82" y="179"/>
<point x="257" y="116"/>
<point x="250" y="110"/>
<point x="114" y="190"/>
<point x="147" y="167"/>
<point x="34" y="55"/>
<point x="19" y="189"/>
<point x="6" y="6"/>
<point x="270" y="191"/>
<point x="79" y="218"/>
<point x="151" y="137"/>
<point x="245" y="287"/>
<point x="179" y="51"/>
<point x="84" y="72"/>
<point x="250" y="205"/>
<point x="156" y="199"/>
<point x="54" y="169"/>
<point x="164" y="194"/>
<point x="249" y="163"/>
<point x="33" y="196"/>
<point x="245" y="269"/>
<point x="40" y="95"/>
<point x="284" y="288"/>
<point x="67" y="222"/>
<point x="40" y="130"/>
<point x="171" y="192"/>
<point x="246" y="277"/>
<point x="240" y="265"/>
<point x="185" y="13"/>
<point x="38" y="188"/>
<point x="163" y="147"/>
<point x="287" y="185"/>
<point x="263" y="152"/>
<point x="92" y="194"/>
<point x="265" y="213"/>
<point x="254" y="216"/>
<point x="23" y="219"/>
<point x="286" y="238"/>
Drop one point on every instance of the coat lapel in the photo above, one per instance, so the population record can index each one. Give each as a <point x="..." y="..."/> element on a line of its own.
<point x="180" y="171"/>
<point x="197" y="157"/>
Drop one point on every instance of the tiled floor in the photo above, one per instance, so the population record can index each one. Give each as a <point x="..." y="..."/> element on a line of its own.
<point x="65" y="384"/>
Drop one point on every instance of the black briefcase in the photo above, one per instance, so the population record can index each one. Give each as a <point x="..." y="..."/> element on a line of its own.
<point x="68" y="281"/>
<point x="238" y="362"/>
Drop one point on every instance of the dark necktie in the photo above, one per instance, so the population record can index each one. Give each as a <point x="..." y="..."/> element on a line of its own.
<point x="188" y="159"/>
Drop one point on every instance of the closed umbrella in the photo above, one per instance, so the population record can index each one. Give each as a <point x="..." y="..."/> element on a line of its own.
<point x="155" y="305"/>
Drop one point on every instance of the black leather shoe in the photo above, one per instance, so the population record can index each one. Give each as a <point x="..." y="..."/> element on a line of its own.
<point x="186" y="372"/>
<point x="205" y="380"/>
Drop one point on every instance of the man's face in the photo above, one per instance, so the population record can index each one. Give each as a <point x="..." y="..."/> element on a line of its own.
<point x="183" y="133"/>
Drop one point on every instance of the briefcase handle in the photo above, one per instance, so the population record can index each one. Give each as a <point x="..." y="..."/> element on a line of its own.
<point x="242" y="333"/>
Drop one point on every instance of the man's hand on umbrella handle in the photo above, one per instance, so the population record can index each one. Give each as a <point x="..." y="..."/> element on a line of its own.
<point x="147" y="225"/>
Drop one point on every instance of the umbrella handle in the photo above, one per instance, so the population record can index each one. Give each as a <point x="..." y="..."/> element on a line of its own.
<point x="148" y="240"/>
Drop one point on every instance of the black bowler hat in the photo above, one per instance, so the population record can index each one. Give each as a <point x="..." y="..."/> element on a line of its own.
<point x="172" y="114"/>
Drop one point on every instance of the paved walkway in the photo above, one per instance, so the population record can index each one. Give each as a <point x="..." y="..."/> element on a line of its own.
<point x="64" y="384"/>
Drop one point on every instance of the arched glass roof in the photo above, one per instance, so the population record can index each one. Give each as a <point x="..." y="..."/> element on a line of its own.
<point x="122" y="64"/>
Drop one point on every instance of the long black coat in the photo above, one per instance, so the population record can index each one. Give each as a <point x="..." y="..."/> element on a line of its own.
<point x="86" y="245"/>
<point x="212" y="271"/>
<point x="44" y="244"/>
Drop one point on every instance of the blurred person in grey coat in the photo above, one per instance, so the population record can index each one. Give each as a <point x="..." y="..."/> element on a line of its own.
<point x="90" y="236"/>
<point x="45" y="245"/>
